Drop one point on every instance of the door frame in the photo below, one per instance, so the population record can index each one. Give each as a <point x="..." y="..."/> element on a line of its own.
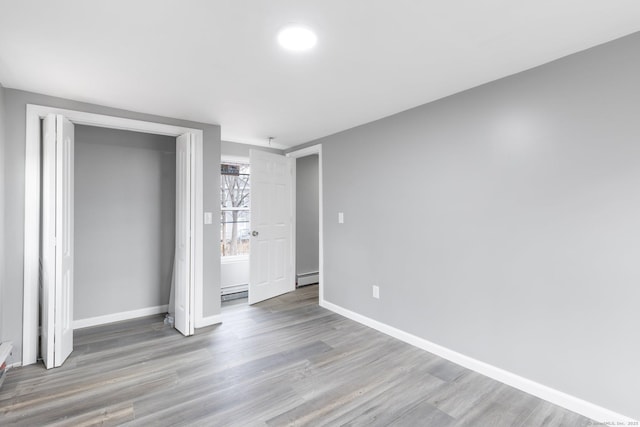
<point x="304" y="152"/>
<point x="32" y="208"/>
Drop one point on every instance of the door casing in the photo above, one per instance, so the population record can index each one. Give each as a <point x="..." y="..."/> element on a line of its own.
<point x="32" y="208"/>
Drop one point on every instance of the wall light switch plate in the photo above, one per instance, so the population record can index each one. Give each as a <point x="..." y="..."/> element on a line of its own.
<point x="208" y="217"/>
<point x="376" y="292"/>
<point x="340" y="217"/>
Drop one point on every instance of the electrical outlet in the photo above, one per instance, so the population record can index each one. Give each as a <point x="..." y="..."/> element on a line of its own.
<point x="376" y="292"/>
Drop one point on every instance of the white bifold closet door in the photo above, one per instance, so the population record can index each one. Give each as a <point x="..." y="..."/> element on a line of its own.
<point x="271" y="250"/>
<point x="57" y="240"/>
<point x="184" y="270"/>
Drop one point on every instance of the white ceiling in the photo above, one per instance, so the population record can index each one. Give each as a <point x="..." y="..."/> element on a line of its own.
<point x="218" y="61"/>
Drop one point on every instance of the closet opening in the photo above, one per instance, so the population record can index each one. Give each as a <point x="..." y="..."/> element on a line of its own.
<point x="106" y="248"/>
<point x="125" y="210"/>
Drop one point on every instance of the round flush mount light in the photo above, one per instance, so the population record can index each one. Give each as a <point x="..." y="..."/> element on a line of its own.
<point x="297" y="38"/>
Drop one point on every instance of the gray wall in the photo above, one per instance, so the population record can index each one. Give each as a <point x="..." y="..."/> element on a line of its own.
<point x="2" y="191"/>
<point x="15" y="114"/>
<point x="125" y="186"/>
<point x="307" y="241"/>
<point x="503" y="223"/>
<point x="242" y="150"/>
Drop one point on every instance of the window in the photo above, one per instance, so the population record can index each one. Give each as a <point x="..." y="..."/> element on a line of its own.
<point x="235" y="229"/>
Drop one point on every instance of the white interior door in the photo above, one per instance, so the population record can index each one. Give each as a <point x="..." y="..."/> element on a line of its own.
<point x="184" y="274"/>
<point x="57" y="240"/>
<point x="271" y="253"/>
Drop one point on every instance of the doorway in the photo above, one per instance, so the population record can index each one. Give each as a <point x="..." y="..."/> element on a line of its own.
<point x="190" y="148"/>
<point x="257" y="226"/>
<point x="302" y="153"/>
<point x="305" y="275"/>
<point x="124" y="224"/>
<point x="307" y="230"/>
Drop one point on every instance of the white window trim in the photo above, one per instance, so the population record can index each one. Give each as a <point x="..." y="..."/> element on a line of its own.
<point x="234" y="160"/>
<point x="231" y="259"/>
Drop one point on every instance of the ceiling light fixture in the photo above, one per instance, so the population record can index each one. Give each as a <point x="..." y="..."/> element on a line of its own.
<point x="297" y="38"/>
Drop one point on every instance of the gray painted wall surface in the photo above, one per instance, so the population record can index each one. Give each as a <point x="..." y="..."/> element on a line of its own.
<point x="125" y="190"/>
<point x="242" y="150"/>
<point x="307" y="241"/>
<point x="503" y="223"/>
<point x="2" y="191"/>
<point x="15" y="114"/>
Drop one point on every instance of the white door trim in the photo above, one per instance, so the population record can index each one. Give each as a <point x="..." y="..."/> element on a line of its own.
<point x="32" y="207"/>
<point x="303" y="152"/>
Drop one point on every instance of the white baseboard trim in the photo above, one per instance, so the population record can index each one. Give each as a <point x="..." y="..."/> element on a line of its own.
<point x="308" y="278"/>
<point x="117" y="317"/>
<point x="572" y="403"/>
<point x="6" y="351"/>
<point x="208" y="321"/>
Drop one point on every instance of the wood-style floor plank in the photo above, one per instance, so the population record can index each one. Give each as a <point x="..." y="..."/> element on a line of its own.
<point x="282" y="362"/>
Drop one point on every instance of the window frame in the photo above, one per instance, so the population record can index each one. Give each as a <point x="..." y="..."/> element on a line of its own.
<point x="233" y="160"/>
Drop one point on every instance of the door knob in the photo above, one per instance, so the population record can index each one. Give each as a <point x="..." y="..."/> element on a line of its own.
<point x="254" y="233"/>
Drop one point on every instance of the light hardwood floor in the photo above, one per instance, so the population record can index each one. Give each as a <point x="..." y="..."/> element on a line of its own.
<point x="285" y="361"/>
